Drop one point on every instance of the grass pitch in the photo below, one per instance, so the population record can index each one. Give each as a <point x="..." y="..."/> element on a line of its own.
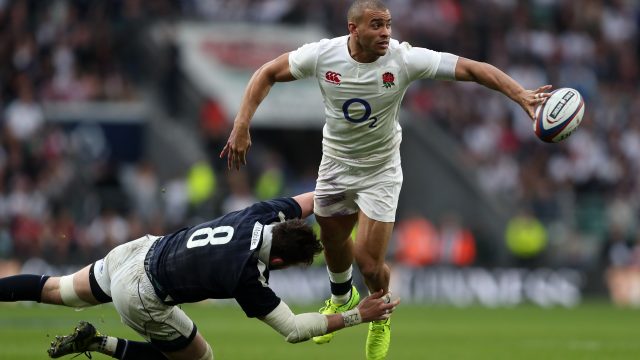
<point x="591" y="331"/>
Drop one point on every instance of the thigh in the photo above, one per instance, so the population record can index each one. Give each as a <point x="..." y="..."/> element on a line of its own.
<point x="82" y="286"/>
<point x="335" y="189"/>
<point x="51" y="290"/>
<point x="167" y="327"/>
<point x="119" y="260"/>
<point x="336" y="228"/>
<point x="379" y="191"/>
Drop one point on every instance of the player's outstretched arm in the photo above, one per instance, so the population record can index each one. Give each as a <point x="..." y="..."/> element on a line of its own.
<point x="239" y="142"/>
<point x="306" y="203"/>
<point x="302" y="327"/>
<point x="494" y="78"/>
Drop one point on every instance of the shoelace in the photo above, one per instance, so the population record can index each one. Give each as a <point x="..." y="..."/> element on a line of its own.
<point x="379" y="326"/>
<point x="327" y="305"/>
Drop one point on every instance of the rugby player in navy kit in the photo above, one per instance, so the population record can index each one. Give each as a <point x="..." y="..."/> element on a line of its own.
<point x="229" y="257"/>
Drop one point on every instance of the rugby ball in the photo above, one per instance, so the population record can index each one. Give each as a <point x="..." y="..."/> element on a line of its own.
<point x="559" y="116"/>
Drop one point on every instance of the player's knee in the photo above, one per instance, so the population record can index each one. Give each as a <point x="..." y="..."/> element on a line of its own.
<point x="69" y="295"/>
<point x="371" y="269"/>
<point x="208" y="355"/>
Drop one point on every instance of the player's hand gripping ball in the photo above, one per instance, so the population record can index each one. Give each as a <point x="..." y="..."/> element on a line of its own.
<point x="559" y="116"/>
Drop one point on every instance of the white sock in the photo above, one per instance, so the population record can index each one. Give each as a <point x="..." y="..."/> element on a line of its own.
<point x="107" y="346"/>
<point x="111" y="344"/>
<point x="340" y="277"/>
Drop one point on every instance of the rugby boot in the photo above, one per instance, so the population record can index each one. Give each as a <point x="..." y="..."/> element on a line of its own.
<point x="78" y="342"/>
<point x="378" y="339"/>
<point x="331" y="308"/>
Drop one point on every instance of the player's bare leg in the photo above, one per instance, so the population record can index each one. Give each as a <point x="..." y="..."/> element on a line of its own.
<point x="371" y="244"/>
<point x="81" y="287"/>
<point x="46" y="289"/>
<point x="335" y="234"/>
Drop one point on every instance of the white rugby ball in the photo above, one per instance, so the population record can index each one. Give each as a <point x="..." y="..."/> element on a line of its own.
<point x="559" y="116"/>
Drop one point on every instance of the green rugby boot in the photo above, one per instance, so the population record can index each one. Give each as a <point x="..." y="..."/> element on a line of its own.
<point x="78" y="342"/>
<point x="331" y="308"/>
<point x="378" y="339"/>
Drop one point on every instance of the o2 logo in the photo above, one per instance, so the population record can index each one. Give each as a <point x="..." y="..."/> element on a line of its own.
<point x="365" y="116"/>
<point x="210" y="236"/>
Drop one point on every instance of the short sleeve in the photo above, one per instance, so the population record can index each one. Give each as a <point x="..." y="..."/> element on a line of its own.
<point x="288" y="206"/>
<point x="255" y="299"/>
<point x="302" y="62"/>
<point x="428" y="64"/>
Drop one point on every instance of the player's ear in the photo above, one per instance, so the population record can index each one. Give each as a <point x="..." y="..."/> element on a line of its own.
<point x="353" y="29"/>
<point x="276" y="261"/>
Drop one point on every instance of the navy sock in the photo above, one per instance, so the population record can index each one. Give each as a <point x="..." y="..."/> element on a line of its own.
<point x="340" y="288"/>
<point x="136" y="350"/>
<point x="22" y="288"/>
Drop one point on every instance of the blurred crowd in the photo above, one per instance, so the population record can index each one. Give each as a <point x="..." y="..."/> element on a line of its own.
<point x="60" y="196"/>
<point x="585" y="192"/>
<point x="64" y="201"/>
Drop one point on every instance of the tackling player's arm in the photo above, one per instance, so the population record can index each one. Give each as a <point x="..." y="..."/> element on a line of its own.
<point x="306" y="203"/>
<point x="494" y="78"/>
<point x="302" y="327"/>
<point x="276" y="70"/>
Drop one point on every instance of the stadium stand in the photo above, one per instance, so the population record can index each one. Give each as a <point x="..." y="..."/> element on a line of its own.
<point x="63" y="184"/>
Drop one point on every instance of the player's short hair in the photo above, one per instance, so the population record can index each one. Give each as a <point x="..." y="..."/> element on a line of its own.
<point x="359" y="6"/>
<point x="295" y="242"/>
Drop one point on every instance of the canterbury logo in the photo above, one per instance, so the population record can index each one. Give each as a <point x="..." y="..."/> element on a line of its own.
<point x="332" y="77"/>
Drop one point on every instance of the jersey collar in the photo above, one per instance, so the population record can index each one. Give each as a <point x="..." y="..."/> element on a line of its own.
<point x="265" y="247"/>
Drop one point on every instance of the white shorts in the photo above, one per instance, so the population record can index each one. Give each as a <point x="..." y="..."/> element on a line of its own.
<point x="121" y="275"/>
<point x="342" y="189"/>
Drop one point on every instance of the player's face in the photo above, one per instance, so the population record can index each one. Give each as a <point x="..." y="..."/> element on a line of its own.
<point x="374" y="31"/>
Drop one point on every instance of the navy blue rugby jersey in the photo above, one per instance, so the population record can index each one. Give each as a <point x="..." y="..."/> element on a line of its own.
<point x="218" y="259"/>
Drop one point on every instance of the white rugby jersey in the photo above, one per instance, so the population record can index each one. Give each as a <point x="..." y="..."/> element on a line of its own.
<point x="362" y="100"/>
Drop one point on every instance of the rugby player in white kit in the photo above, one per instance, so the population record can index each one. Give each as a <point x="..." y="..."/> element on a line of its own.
<point x="363" y="77"/>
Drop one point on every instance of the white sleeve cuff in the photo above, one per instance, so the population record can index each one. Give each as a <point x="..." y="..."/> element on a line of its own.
<point x="447" y="67"/>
